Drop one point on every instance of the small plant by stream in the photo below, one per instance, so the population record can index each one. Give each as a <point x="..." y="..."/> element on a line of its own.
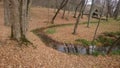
<point x="50" y="31"/>
<point x="104" y="40"/>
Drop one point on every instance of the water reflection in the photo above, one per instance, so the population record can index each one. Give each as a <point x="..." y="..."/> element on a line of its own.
<point x="73" y="49"/>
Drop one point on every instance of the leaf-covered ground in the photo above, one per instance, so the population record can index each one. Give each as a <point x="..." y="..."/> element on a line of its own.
<point x="14" y="56"/>
<point x="64" y="34"/>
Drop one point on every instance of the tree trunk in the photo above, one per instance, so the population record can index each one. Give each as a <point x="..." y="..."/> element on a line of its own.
<point x="56" y="5"/>
<point x="19" y="15"/>
<point x="112" y="46"/>
<point x="63" y="4"/>
<point x="90" y="13"/>
<point x="78" y="18"/>
<point x="98" y="23"/>
<point x="69" y="10"/>
<point x="110" y="8"/>
<point x="117" y="10"/>
<point x="48" y="10"/>
<point x="64" y="10"/>
<point x="77" y="9"/>
<point x="7" y="13"/>
<point x="84" y="8"/>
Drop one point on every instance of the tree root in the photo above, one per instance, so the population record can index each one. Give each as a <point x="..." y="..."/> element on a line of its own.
<point x="25" y="41"/>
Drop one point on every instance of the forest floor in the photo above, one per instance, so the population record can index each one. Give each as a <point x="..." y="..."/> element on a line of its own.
<point x="64" y="33"/>
<point x="14" y="56"/>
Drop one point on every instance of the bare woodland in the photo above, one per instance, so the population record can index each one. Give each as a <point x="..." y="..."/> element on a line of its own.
<point x="29" y="20"/>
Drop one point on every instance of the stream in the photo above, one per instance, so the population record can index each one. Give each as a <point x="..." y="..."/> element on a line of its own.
<point x="71" y="48"/>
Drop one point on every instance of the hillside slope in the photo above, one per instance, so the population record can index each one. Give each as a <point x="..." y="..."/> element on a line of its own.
<point x="14" y="56"/>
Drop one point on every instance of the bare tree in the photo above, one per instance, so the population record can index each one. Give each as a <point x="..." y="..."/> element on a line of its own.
<point x="84" y="8"/>
<point x="56" y="5"/>
<point x="19" y="15"/>
<point x="48" y="9"/>
<point x="98" y="22"/>
<point x="63" y="4"/>
<point x="90" y="13"/>
<point x="78" y="18"/>
<point x="7" y="13"/>
<point x="76" y="9"/>
<point x="109" y="8"/>
<point x="64" y="9"/>
<point x="111" y="5"/>
<point x="113" y="45"/>
<point x="69" y="7"/>
<point x="117" y="10"/>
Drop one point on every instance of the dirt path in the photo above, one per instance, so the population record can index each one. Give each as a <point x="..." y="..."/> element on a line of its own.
<point x="13" y="56"/>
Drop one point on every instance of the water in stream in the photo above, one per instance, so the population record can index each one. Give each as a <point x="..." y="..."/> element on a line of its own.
<point x="78" y="49"/>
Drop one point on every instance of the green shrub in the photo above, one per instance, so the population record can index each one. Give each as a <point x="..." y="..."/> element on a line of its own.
<point x="118" y="19"/>
<point x="101" y="39"/>
<point x="50" y="31"/>
<point x="108" y="38"/>
<point x="111" y="34"/>
<point x="116" y="52"/>
<point x="94" y="42"/>
<point x="84" y="42"/>
<point x="96" y="53"/>
<point x="105" y="40"/>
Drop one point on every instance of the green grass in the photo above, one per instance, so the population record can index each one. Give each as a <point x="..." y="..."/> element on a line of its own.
<point x="116" y="52"/>
<point x="96" y="53"/>
<point x="108" y="38"/>
<point x="83" y="41"/>
<point x="105" y="40"/>
<point x="111" y="34"/>
<point x="118" y="19"/>
<point x="71" y="24"/>
<point x="50" y="31"/>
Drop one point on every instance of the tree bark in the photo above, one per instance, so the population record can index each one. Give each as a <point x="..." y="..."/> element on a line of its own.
<point x="90" y="13"/>
<point x="19" y="16"/>
<point x="63" y="4"/>
<point x="112" y="46"/>
<point x="77" y="9"/>
<point x="110" y="7"/>
<point x="84" y="8"/>
<point x="78" y="18"/>
<point x="117" y="10"/>
<point x="56" y="5"/>
<point x="64" y="10"/>
<point x="98" y="23"/>
<point x="7" y="13"/>
<point x="69" y="10"/>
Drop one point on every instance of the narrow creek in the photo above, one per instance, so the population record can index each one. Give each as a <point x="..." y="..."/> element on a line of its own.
<point x="69" y="48"/>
